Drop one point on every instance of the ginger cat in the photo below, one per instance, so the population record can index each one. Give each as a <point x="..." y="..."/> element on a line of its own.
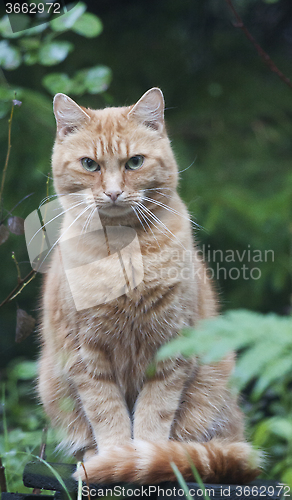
<point x="129" y="425"/>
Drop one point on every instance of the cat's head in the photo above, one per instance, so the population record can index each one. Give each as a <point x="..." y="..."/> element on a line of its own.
<point x="123" y="155"/>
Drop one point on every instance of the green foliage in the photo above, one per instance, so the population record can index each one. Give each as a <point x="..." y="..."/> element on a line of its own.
<point x="38" y="45"/>
<point x="21" y="423"/>
<point x="263" y="370"/>
<point x="92" y="80"/>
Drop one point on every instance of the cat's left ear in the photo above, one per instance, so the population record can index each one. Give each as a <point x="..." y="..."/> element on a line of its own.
<point x="149" y="110"/>
<point x="68" y="114"/>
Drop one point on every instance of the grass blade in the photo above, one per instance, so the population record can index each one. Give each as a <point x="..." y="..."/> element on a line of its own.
<point x="181" y="481"/>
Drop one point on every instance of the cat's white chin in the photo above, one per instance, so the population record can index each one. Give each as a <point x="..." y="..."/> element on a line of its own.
<point x="114" y="210"/>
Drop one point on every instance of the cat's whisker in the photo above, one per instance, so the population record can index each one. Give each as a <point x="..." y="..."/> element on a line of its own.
<point x="161" y="194"/>
<point x="187" y="168"/>
<point x="49" y="197"/>
<point x="138" y="209"/>
<point x="170" y="209"/>
<point x="89" y="219"/>
<point x="135" y="210"/>
<point x="159" y="188"/>
<point x="161" y="224"/>
<point x="54" y="218"/>
<point x="60" y="237"/>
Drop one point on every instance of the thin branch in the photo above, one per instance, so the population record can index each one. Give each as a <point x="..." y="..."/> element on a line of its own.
<point x="19" y="279"/>
<point x="9" y="212"/>
<point x="266" y="58"/>
<point x="8" y="153"/>
<point x="87" y="480"/>
<point x="19" y="287"/>
<point x="37" y="491"/>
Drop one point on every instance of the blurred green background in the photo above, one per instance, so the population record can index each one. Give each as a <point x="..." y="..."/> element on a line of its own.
<point x="228" y="116"/>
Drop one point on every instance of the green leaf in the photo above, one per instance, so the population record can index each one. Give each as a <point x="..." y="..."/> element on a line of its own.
<point x="96" y="79"/>
<point x="10" y="57"/>
<point x="30" y="58"/>
<point x="25" y="370"/>
<point x="30" y="43"/>
<point x="66" y="21"/>
<point x="54" y="52"/>
<point x="287" y="477"/>
<point x="57" y="82"/>
<point x="88" y="25"/>
<point x="282" y="427"/>
<point x="35" y="30"/>
<point x="7" y="94"/>
<point x="78" y="86"/>
<point x="274" y="371"/>
<point x="261" y="433"/>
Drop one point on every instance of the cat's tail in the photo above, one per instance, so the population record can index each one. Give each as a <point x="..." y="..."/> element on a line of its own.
<point x="216" y="461"/>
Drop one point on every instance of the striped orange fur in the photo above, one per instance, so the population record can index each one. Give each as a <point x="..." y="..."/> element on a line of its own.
<point x="94" y="380"/>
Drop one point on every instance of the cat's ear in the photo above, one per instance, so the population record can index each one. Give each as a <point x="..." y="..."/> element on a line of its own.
<point x="68" y="114"/>
<point x="149" y="110"/>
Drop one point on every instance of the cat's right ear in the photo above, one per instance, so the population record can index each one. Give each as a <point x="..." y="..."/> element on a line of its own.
<point x="68" y="114"/>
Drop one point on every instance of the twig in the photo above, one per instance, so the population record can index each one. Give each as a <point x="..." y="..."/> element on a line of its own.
<point x="9" y="212"/>
<point x="3" y="484"/>
<point x="19" y="279"/>
<point x="266" y="58"/>
<point x="19" y="287"/>
<point x="37" y="491"/>
<point x="8" y="152"/>
<point x="87" y="480"/>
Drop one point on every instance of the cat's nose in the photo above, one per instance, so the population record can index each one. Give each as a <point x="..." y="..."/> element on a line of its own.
<point x="113" y="195"/>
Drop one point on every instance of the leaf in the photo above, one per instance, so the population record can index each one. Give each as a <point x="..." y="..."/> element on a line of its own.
<point x="282" y="427"/>
<point x="7" y="94"/>
<point x="24" y="325"/>
<point x="261" y="433"/>
<point x="287" y="477"/>
<point x="276" y="370"/>
<point x="57" y="82"/>
<point x="66" y="21"/>
<point x="30" y="58"/>
<point x="10" y="57"/>
<point x="30" y="43"/>
<point x="54" y="52"/>
<point x="78" y="86"/>
<point x="16" y="225"/>
<point x="88" y="25"/>
<point x="24" y="370"/>
<point x="4" y="233"/>
<point x="96" y="79"/>
<point x="35" y="30"/>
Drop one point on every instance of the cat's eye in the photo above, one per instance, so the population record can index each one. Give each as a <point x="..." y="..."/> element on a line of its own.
<point x="135" y="162"/>
<point x="89" y="164"/>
